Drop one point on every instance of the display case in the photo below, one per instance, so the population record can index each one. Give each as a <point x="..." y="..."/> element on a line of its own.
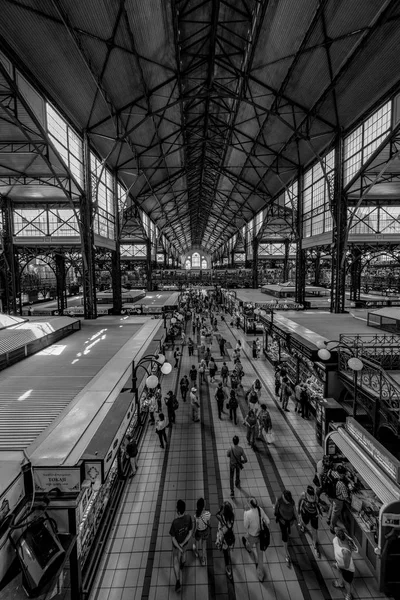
<point x="373" y="517"/>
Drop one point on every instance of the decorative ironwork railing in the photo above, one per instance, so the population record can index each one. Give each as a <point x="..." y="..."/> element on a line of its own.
<point x="374" y="382"/>
<point x="382" y="348"/>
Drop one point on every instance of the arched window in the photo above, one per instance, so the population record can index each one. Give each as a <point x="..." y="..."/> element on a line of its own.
<point x="187" y="264"/>
<point x="196" y="260"/>
<point x="203" y="263"/>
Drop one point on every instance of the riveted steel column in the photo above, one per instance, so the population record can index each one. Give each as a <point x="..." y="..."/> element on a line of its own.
<point x="255" y="243"/>
<point x="9" y="262"/>
<point x="87" y="241"/>
<point x="300" y="291"/>
<point x="149" y="266"/>
<point x="60" y="282"/>
<point x="116" y="255"/>
<point x="339" y="214"/>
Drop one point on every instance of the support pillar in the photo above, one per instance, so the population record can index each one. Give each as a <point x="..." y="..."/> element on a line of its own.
<point x="9" y="260"/>
<point x="286" y="262"/>
<point x="116" y="256"/>
<point x="255" y="243"/>
<point x="165" y="260"/>
<point x="149" y="266"/>
<point x="317" y="268"/>
<point x="88" y="247"/>
<point x="60" y="282"/>
<point x="339" y="215"/>
<point x="232" y="257"/>
<point x="355" y="275"/>
<point x="300" y="290"/>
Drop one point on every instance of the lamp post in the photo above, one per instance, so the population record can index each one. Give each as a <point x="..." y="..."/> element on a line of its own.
<point x="152" y="380"/>
<point x="354" y="363"/>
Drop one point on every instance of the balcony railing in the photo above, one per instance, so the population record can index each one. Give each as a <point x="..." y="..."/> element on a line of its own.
<point x="381" y="348"/>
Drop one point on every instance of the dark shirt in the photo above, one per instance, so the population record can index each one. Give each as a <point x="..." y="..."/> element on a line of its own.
<point x="180" y="527"/>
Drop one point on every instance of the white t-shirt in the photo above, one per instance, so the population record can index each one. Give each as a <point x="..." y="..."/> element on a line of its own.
<point x="252" y="520"/>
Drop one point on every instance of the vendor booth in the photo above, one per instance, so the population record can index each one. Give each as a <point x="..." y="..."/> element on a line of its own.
<point x="373" y="516"/>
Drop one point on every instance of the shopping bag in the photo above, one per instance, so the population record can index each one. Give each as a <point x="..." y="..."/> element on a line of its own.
<point x="269" y="438"/>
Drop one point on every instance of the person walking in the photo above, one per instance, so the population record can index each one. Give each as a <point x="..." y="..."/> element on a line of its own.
<point x="253" y="518"/>
<point x="177" y="355"/>
<point x="220" y="396"/>
<point x="338" y="494"/>
<point x="237" y="458"/>
<point x="207" y="356"/>
<point x="190" y="346"/>
<point x="202" y="371"/>
<point x="224" y="374"/>
<point x="286" y="393"/>
<point x="265" y="424"/>
<point x="233" y="406"/>
<point x="202" y="530"/>
<point x="161" y="426"/>
<point x="170" y="402"/>
<point x="258" y="344"/>
<point x="193" y="376"/>
<point x="297" y="393"/>
<point x="238" y="348"/>
<point x="132" y="451"/>
<point x="304" y="401"/>
<point x="180" y="532"/>
<point x="222" y="343"/>
<point x="344" y="548"/>
<point x="225" y="534"/>
<point x="254" y="349"/>
<point x="309" y="511"/>
<point x="195" y="404"/>
<point x="184" y="385"/>
<point x="153" y="407"/>
<point x="183" y="338"/>
<point x="285" y="513"/>
<point x="251" y="423"/>
<point x="213" y="369"/>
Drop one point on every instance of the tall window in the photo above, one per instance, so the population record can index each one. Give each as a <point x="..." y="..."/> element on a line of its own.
<point x="203" y="263"/>
<point x="363" y="141"/>
<point x="317" y="217"/>
<point x="196" y="260"/>
<point x="66" y="141"/>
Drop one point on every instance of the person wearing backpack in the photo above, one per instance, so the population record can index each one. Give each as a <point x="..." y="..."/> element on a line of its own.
<point x="251" y="423"/>
<point x="202" y="530"/>
<point x="237" y="458"/>
<point x="233" y="406"/>
<point x="213" y="369"/>
<point x="225" y="535"/>
<point x="193" y="376"/>
<point x="220" y="398"/>
<point x="224" y="374"/>
<point x="184" y="385"/>
<point x="338" y="493"/>
<point x="253" y="519"/>
<point x="285" y="514"/>
<point x="309" y="511"/>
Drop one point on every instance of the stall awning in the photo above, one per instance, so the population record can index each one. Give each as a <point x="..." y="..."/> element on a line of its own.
<point x="379" y="483"/>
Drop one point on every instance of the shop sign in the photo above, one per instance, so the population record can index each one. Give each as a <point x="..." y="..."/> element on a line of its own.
<point x="390" y="465"/>
<point x="152" y="310"/>
<point x="391" y="520"/>
<point x="66" y="480"/>
<point x="283" y="335"/>
<point x="114" y="447"/>
<point x="305" y="351"/>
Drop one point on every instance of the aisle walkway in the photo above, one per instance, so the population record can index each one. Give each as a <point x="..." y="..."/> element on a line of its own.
<point x="138" y="560"/>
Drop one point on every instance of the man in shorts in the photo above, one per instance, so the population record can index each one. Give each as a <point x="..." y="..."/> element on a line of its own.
<point x="180" y="532"/>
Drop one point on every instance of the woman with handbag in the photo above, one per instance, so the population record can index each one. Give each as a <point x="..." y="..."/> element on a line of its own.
<point x="285" y="514"/>
<point x="225" y="535"/>
<point x="202" y="530"/>
<point x="255" y="521"/>
<point x="344" y="548"/>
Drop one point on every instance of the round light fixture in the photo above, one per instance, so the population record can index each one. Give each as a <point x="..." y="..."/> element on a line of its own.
<point x="160" y="358"/>
<point x="355" y="364"/>
<point x="324" y="354"/>
<point x="152" y="382"/>
<point x="166" y="368"/>
<point x="173" y="320"/>
<point x="320" y="344"/>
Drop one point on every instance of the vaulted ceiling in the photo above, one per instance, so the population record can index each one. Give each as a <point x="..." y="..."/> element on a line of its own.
<point x="207" y="109"/>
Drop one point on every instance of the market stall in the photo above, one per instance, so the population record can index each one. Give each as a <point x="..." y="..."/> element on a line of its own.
<point x="373" y="516"/>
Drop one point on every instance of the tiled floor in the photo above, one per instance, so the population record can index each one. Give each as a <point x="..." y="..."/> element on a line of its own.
<point x="138" y="560"/>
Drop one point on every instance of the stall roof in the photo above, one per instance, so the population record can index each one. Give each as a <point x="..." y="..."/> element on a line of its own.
<point x="390" y="312"/>
<point x="379" y="483"/>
